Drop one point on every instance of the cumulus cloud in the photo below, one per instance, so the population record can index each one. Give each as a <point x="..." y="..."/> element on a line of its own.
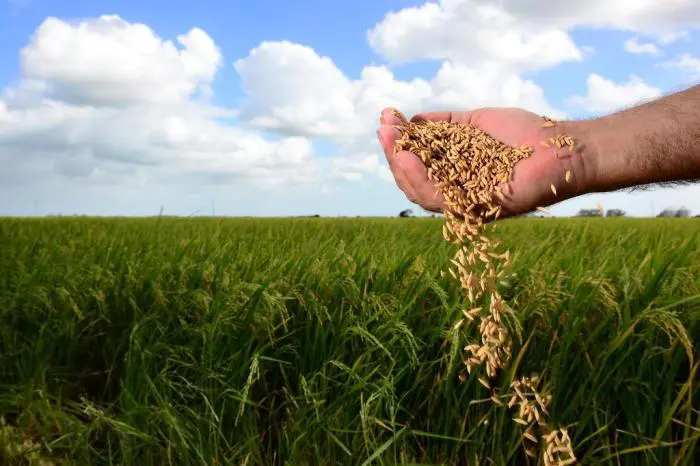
<point x="353" y="168"/>
<point x="686" y="63"/>
<point x="604" y="96"/>
<point x="460" y="87"/>
<point x="667" y="38"/>
<point x="315" y="98"/>
<point x="108" y="61"/>
<point x="106" y="101"/>
<point x="640" y="48"/>
<point x="664" y="21"/>
<point x="107" y="98"/>
<point x="471" y="32"/>
<point x="293" y="90"/>
<point x="484" y="47"/>
<point x="520" y="34"/>
<point x="385" y="174"/>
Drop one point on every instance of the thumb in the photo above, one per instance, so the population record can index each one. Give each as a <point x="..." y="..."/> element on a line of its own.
<point x="449" y="117"/>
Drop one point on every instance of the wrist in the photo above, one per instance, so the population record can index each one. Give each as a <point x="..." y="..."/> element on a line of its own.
<point x="585" y="159"/>
<point x="655" y="142"/>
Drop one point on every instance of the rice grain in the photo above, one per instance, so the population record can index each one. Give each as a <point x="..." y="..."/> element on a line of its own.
<point x="470" y="168"/>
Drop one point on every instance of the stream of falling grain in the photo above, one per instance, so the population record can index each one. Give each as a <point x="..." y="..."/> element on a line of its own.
<point x="471" y="170"/>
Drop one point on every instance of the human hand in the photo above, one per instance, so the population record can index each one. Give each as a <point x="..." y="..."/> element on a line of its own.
<point x="532" y="179"/>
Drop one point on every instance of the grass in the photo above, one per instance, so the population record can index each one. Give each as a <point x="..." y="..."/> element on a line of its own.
<point x="328" y="341"/>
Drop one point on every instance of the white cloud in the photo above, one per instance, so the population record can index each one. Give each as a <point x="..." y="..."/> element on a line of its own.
<point x="105" y="102"/>
<point x="458" y="86"/>
<point x="183" y="139"/>
<point x="385" y="174"/>
<point x="470" y="32"/>
<point x="638" y="48"/>
<point x="519" y="34"/>
<point x="668" y="38"/>
<point x="663" y="20"/>
<point x="353" y="168"/>
<point x="108" y="61"/>
<point x="604" y="95"/>
<point x="103" y="98"/>
<point x="587" y="50"/>
<point x="315" y="99"/>
<point x="687" y="63"/>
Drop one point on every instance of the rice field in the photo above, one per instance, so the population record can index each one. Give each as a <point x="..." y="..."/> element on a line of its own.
<point x="212" y="341"/>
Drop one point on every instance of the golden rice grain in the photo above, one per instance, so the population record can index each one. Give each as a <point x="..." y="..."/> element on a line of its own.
<point x="529" y="435"/>
<point x="471" y="170"/>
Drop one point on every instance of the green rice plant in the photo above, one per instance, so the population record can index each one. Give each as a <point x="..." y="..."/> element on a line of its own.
<point x="329" y="341"/>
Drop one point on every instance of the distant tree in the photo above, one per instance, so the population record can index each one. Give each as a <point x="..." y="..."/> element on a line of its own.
<point x="589" y="213"/>
<point x="615" y="213"/>
<point x="406" y="213"/>
<point x="673" y="212"/>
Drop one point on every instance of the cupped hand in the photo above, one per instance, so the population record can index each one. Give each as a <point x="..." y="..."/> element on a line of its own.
<point x="533" y="177"/>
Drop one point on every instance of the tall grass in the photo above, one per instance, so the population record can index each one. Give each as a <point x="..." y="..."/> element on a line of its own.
<point x="319" y="341"/>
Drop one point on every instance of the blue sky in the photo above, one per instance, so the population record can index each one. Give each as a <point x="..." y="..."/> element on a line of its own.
<point x="335" y="29"/>
<point x="90" y="135"/>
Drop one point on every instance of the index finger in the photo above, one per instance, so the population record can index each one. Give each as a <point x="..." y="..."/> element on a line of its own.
<point x="391" y="117"/>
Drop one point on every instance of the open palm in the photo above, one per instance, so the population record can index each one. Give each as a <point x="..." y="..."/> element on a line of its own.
<point x="532" y="177"/>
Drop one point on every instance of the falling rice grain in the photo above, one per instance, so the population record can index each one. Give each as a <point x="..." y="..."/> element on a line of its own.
<point x="470" y="168"/>
<point x="528" y="434"/>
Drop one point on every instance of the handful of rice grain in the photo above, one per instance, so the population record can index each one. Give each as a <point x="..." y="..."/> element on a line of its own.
<point x="470" y="169"/>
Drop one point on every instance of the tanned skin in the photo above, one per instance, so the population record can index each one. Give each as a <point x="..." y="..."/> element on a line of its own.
<point x="657" y="142"/>
<point x="654" y="143"/>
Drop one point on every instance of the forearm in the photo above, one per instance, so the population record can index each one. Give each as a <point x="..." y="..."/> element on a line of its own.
<point x="656" y="142"/>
